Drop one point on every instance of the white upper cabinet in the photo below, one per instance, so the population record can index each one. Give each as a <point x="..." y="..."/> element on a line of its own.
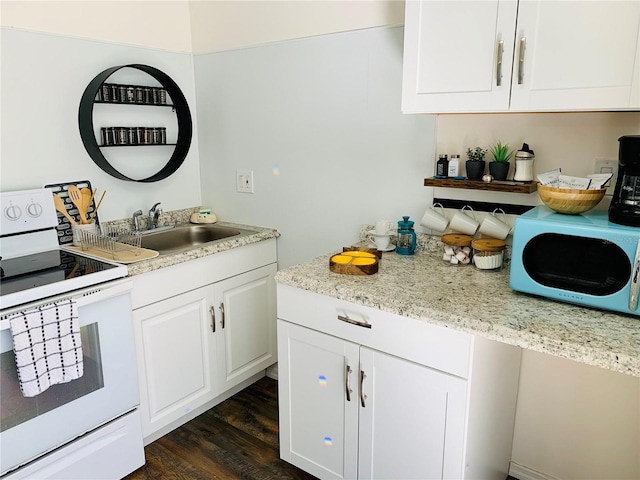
<point x="507" y="55"/>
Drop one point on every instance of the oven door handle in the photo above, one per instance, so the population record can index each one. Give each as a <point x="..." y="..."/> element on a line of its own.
<point x="635" y="278"/>
<point x="83" y="297"/>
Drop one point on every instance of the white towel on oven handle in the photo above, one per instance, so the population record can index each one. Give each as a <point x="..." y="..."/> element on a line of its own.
<point x="47" y="346"/>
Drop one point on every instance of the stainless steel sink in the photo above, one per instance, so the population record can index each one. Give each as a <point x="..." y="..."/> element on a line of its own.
<point x="183" y="237"/>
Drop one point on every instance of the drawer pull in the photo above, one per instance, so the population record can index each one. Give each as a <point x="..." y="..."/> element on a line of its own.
<point x="347" y="386"/>
<point x="222" y="311"/>
<point x="363" y="396"/>
<point x="212" y="311"/>
<point x="354" y="322"/>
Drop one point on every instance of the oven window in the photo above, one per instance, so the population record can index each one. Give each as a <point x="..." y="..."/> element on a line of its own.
<point x="16" y="409"/>
<point x="577" y="264"/>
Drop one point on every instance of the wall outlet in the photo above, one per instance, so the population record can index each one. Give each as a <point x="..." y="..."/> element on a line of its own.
<point x="607" y="166"/>
<point x="244" y="181"/>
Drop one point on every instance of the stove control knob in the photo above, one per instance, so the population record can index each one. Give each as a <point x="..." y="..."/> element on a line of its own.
<point x="12" y="212"/>
<point x="34" y="209"/>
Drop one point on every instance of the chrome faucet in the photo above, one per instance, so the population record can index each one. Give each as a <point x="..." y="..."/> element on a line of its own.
<point x="136" y="225"/>
<point x="154" y="215"/>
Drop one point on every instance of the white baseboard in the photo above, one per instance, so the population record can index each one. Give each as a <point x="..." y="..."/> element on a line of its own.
<point x="272" y="371"/>
<point x="525" y="473"/>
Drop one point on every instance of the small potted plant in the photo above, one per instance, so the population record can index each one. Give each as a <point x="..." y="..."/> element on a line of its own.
<point x="499" y="165"/>
<point x="476" y="163"/>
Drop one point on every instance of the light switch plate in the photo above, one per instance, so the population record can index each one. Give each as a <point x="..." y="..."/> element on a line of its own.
<point x="607" y="166"/>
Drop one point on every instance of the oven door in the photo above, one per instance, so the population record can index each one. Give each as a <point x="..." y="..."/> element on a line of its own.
<point x="29" y="427"/>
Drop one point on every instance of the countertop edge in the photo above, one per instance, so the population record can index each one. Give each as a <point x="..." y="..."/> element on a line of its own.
<point x="524" y="337"/>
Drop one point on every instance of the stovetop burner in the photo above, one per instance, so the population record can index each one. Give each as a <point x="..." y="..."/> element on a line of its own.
<point x="53" y="272"/>
<point x="44" y="268"/>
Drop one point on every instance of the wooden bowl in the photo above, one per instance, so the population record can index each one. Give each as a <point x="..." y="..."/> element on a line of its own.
<point x="570" y="202"/>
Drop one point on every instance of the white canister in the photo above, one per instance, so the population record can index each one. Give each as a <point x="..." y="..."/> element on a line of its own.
<point x="524" y="164"/>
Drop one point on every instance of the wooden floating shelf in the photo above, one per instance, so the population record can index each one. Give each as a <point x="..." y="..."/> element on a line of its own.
<point x="495" y="186"/>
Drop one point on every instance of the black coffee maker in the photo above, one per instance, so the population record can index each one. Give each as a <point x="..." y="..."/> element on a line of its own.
<point x="625" y="204"/>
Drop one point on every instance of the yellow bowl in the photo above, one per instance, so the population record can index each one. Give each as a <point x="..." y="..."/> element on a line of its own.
<point x="570" y="202"/>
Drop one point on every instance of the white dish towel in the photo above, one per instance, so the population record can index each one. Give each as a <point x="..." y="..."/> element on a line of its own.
<point x="47" y="346"/>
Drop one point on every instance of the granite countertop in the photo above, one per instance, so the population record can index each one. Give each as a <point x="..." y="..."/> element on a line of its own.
<point x="464" y="298"/>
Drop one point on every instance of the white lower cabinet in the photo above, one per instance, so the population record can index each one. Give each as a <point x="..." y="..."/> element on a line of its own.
<point x="374" y="402"/>
<point x="178" y="352"/>
<point x="196" y="346"/>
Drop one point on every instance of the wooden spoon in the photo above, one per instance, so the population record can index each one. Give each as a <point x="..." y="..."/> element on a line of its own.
<point x="87" y="197"/>
<point x="76" y="198"/>
<point x="97" y="207"/>
<point x="59" y="203"/>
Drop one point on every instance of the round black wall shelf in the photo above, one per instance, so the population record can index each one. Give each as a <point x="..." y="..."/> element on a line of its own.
<point x="185" y="128"/>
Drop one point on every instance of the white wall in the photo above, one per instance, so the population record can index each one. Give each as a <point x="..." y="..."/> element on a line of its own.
<point x="576" y="422"/>
<point x="219" y="25"/>
<point x="156" y="24"/>
<point x="42" y="79"/>
<point x="318" y="121"/>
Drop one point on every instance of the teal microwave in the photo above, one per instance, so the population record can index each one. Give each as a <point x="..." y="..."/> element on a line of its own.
<point x="582" y="259"/>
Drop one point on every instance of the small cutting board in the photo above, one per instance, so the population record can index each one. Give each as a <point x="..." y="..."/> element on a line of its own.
<point x="131" y="255"/>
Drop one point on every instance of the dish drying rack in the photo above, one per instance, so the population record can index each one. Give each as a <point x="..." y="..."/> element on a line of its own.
<point x="111" y="242"/>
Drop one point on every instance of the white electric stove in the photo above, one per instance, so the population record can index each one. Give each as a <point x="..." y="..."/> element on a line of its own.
<point x="88" y="427"/>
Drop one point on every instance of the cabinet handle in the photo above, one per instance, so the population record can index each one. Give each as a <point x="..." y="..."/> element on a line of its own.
<point x="212" y="311"/>
<point x="363" y="396"/>
<point x="523" y="43"/>
<point x="499" y="63"/>
<point x="354" y="322"/>
<point x="347" y="386"/>
<point x="222" y="311"/>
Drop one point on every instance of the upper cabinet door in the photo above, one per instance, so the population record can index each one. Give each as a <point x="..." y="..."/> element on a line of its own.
<point x="527" y="55"/>
<point x="458" y="55"/>
<point x="576" y="56"/>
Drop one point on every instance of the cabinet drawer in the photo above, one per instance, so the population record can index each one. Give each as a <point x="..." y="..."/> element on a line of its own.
<point x="429" y="345"/>
<point x="167" y="282"/>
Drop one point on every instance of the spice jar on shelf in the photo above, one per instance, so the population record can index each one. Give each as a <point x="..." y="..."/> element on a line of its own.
<point x="457" y="248"/>
<point x="488" y="253"/>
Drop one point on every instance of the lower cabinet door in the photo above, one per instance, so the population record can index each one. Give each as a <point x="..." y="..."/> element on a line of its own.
<point x="245" y="311"/>
<point x="176" y="355"/>
<point x="318" y="401"/>
<point x="411" y="420"/>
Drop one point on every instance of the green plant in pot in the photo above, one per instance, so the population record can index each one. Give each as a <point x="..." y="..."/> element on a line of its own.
<point x="476" y="163"/>
<point x="499" y="165"/>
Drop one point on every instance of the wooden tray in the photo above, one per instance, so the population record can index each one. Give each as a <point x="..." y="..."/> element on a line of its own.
<point x="354" y="262"/>
<point x="125" y="256"/>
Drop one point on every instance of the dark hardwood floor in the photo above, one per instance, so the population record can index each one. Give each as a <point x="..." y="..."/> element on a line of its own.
<point x="237" y="439"/>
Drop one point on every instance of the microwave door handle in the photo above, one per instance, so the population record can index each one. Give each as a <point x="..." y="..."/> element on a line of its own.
<point x="635" y="277"/>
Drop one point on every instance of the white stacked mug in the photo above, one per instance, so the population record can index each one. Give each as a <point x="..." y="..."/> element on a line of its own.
<point x="382" y="234"/>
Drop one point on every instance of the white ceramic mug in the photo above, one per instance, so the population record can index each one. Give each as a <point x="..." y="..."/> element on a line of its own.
<point x="382" y="241"/>
<point x="463" y="223"/>
<point x="493" y="227"/>
<point x="76" y="228"/>
<point x="434" y="220"/>
<point x="383" y="227"/>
